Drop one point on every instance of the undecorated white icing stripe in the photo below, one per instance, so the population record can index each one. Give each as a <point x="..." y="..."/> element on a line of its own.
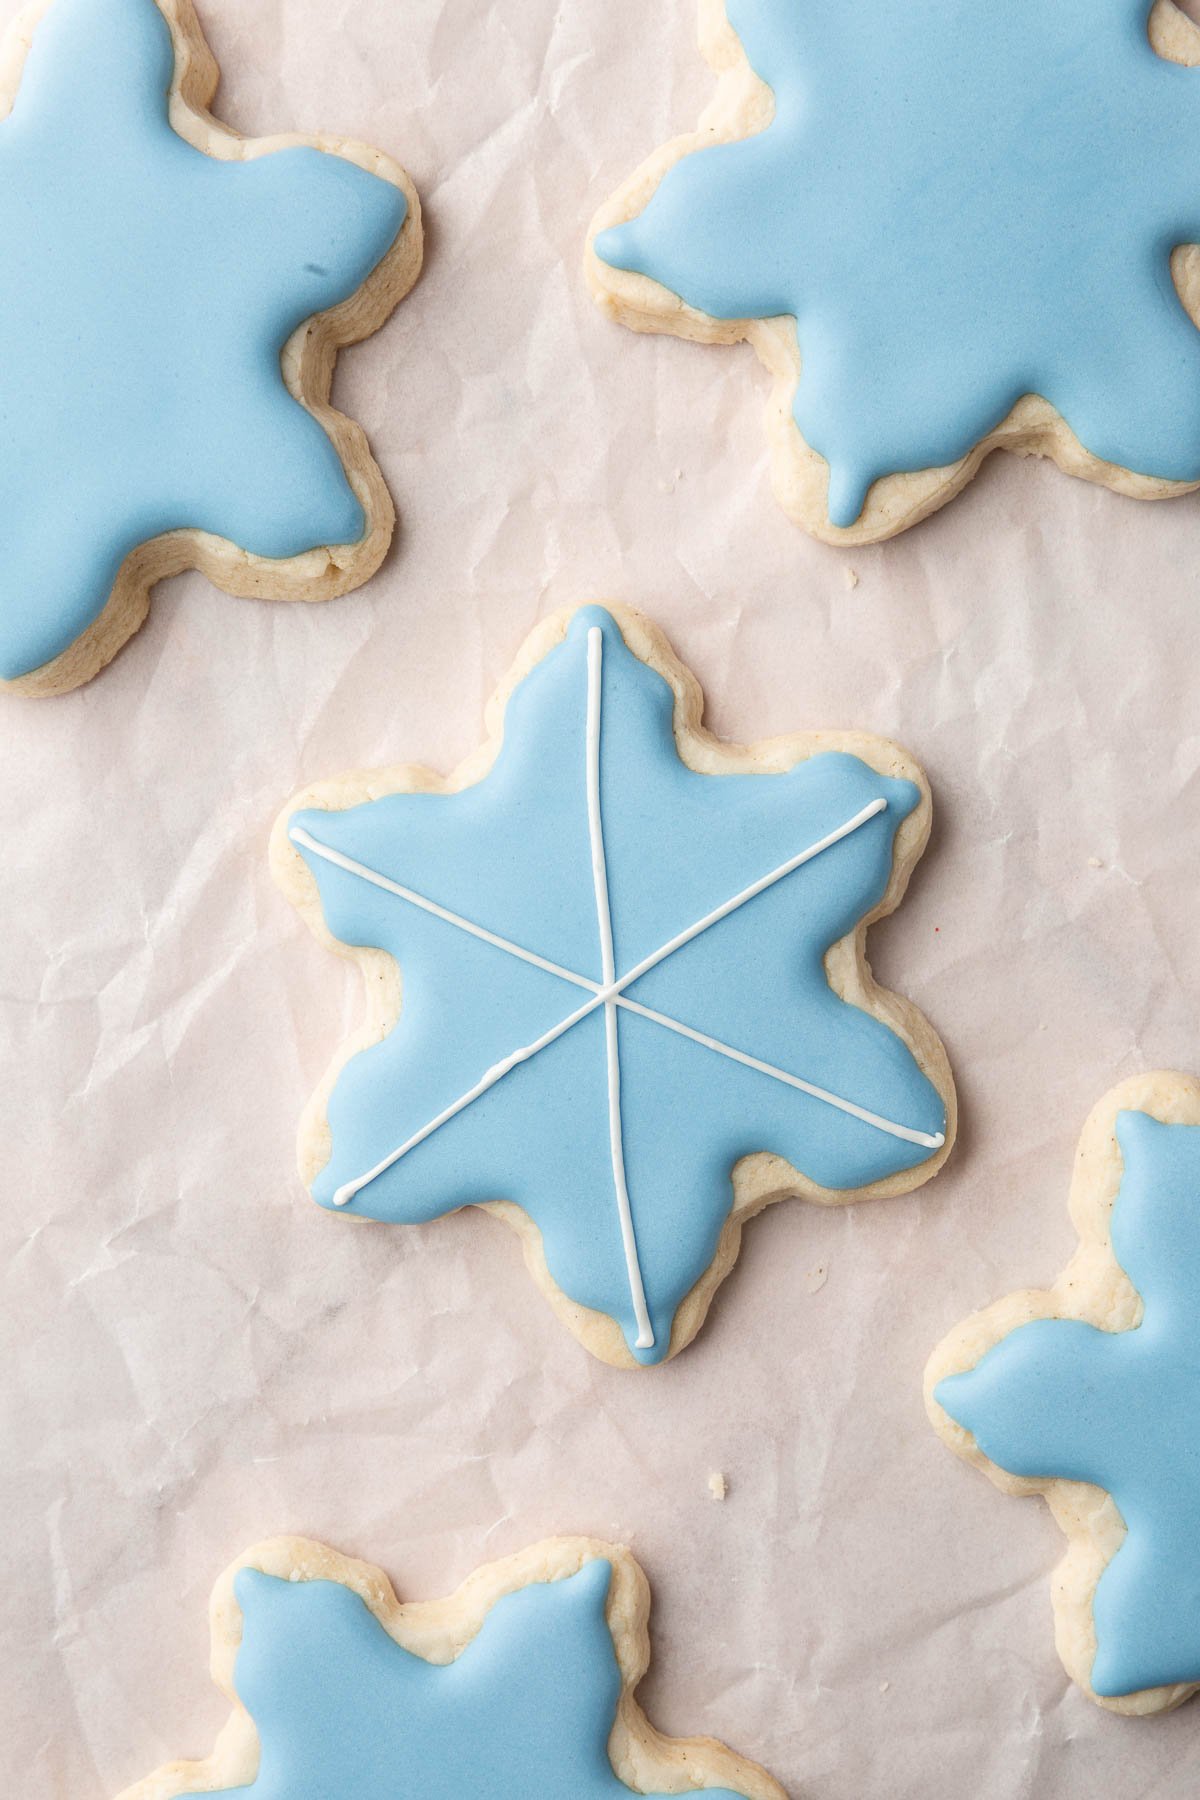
<point x="758" y="887"/>
<point x="611" y="995"/>
<point x="306" y="841"/>
<point x="929" y="1140"/>
<point x="637" y="1292"/>
<point x="595" y="669"/>
<point x="496" y="1073"/>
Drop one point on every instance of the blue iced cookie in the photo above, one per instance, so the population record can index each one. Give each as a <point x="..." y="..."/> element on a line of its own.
<point x="172" y="299"/>
<point x="1089" y="1393"/>
<point x="944" y="231"/>
<point x="617" y="983"/>
<point x="519" y="1686"/>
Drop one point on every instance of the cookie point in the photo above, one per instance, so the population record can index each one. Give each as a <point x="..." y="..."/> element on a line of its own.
<point x="847" y="497"/>
<point x="608" y="245"/>
<point x="251" y="1587"/>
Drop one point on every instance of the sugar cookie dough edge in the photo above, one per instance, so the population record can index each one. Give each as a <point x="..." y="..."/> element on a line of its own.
<point x="308" y="362"/>
<point x="439" y="1630"/>
<point x="759" y="1180"/>
<point x="742" y="106"/>
<point x="1095" y="1288"/>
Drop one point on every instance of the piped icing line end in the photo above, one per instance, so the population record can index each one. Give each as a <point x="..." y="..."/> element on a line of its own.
<point x="562" y="1626"/>
<point x="66" y="622"/>
<point x="1056" y="1392"/>
<point x="316" y="837"/>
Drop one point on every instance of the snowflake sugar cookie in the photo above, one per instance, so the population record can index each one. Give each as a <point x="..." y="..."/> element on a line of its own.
<point x="636" y="1005"/>
<point x="1090" y="1394"/>
<point x="518" y="1687"/>
<point x="944" y="230"/>
<point x="172" y="300"/>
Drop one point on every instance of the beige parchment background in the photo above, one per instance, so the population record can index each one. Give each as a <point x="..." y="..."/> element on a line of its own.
<point x="195" y="1356"/>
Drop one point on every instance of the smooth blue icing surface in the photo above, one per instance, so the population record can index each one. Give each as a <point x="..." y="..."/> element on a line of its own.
<point x="958" y="205"/>
<point x="512" y="854"/>
<point x="1121" y="1410"/>
<point x="146" y="291"/>
<point x="343" y="1712"/>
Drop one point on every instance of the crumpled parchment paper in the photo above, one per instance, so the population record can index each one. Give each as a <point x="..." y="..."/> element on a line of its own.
<point x="196" y="1357"/>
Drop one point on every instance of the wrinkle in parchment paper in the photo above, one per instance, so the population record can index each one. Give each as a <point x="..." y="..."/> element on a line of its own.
<point x="197" y="1357"/>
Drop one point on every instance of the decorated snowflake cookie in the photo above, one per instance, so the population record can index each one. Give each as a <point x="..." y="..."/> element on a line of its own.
<point x="944" y="232"/>
<point x="636" y="1005"/>
<point x="172" y="300"/>
<point x="1090" y="1394"/>
<point x="519" y="1686"/>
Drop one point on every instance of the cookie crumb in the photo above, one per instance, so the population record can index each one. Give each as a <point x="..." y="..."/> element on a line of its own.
<point x="816" y="1278"/>
<point x="1094" y="862"/>
<point x="851" y="577"/>
<point x="718" y="1487"/>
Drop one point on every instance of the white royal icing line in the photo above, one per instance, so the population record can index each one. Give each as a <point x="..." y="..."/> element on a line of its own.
<point x="496" y="1073"/>
<point x="929" y="1140"/>
<point x="610" y="994"/>
<point x="306" y="841"/>
<point x="637" y="1292"/>
<point x="750" y="893"/>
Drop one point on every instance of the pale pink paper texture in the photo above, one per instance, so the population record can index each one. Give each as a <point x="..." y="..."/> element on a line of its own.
<point x="195" y="1356"/>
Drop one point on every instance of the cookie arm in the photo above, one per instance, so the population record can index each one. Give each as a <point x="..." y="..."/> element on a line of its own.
<point x="1042" y="1402"/>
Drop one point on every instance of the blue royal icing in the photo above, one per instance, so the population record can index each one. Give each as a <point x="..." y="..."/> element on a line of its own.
<point x="958" y="206"/>
<point x="1058" y="1398"/>
<point x="512" y="854"/>
<point x="344" y="1712"/>
<point x="146" y="292"/>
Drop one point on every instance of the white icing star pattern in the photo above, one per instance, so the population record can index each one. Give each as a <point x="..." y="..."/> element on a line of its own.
<point x="609" y="993"/>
